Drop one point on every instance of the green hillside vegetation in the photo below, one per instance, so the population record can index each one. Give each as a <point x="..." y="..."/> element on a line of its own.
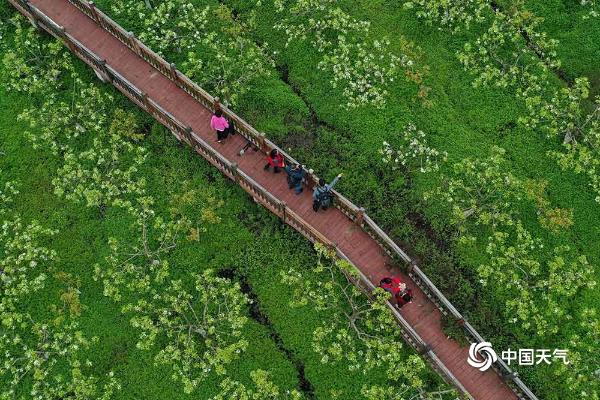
<point x="475" y="181"/>
<point x="546" y="206"/>
<point x="128" y="222"/>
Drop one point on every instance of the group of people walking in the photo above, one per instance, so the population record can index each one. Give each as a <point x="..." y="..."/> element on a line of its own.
<point x="322" y="196"/>
<point x="322" y="192"/>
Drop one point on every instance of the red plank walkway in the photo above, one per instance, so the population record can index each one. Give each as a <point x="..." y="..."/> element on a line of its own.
<point x="358" y="246"/>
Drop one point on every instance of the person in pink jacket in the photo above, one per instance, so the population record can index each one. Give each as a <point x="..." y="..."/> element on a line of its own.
<point x="220" y="124"/>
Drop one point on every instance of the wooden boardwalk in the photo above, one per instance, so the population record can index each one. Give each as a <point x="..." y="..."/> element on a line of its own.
<point x="349" y="234"/>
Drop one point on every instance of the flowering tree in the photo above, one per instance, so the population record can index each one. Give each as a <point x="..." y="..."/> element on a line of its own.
<point x="195" y="325"/>
<point x="514" y="53"/>
<point x="501" y="56"/>
<point x="33" y="65"/>
<point x="582" y="153"/>
<point x="226" y="66"/>
<point x="197" y="329"/>
<point x="362" y="67"/>
<point x="103" y="173"/>
<point x="45" y="358"/>
<point x="593" y="6"/>
<point x="455" y="15"/>
<point x="414" y="153"/>
<point x="536" y="284"/>
<point x="535" y="291"/>
<point x="220" y="57"/>
<point x="22" y="265"/>
<point x="361" y="332"/>
<point x="132" y="270"/>
<point x="170" y="26"/>
<point x="107" y="173"/>
<point x="264" y="389"/>
<point x="61" y="125"/>
<point x="378" y="392"/>
<point x="40" y="359"/>
<point x="559" y="114"/>
<point x="480" y="190"/>
<point x="582" y="374"/>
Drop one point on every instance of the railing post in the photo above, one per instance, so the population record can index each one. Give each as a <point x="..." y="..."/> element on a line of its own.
<point x="217" y="105"/>
<point x="360" y="216"/>
<point x="63" y="36"/>
<point x="133" y="44"/>
<point x="174" y="73"/>
<point x="262" y="143"/>
<point x="145" y="102"/>
<point x="509" y="376"/>
<point x="33" y="20"/>
<point x="424" y="349"/>
<point x="234" y="172"/>
<point x="94" y="12"/>
<point x="103" y="74"/>
<point x="283" y="207"/>
<point x="188" y="135"/>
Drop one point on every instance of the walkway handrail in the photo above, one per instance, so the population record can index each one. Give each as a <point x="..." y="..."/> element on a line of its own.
<point x="258" y="139"/>
<point x="445" y="306"/>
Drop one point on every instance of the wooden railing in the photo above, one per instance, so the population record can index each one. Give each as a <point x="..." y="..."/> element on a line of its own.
<point x="185" y="133"/>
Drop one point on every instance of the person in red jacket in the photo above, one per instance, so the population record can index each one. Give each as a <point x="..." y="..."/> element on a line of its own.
<point x="403" y="296"/>
<point x="398" y="289"/>
<point x="275" y="160"/>
<point x="390" y="284"/>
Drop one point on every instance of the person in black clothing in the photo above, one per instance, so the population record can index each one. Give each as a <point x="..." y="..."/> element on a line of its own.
<point x="403" y="296"/>
<point x="295" y="177"/>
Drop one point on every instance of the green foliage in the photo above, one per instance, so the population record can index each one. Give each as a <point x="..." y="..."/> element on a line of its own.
<point x="218" y="56"/>
<point x="39" y="68"/>
<point x="454" y="330"/>
<point x="263" y="389"/>
<point x="378" y="392"/>
<point x="23" y="259"/>
<point x="197" y="331"/>
<point x="480" y="190"/>
<point x="536" y="285"/>
<point x="106" y="173"/>
<point x="593" y="6"/>
<point x="534" y="292"/>
<point x="414" y="153"/>
<point x="454" y="15"/>
<point x="464" y="122"/>
<point x="362" y="332"/>
<point x="44" y="356"/>
<point x="502" y="57"/>
<point x="59" y="124"/>
<point x="582" y="150"/>
<point x="514" y="53"/>
<point x="361" y="67"/>
<point x="39" y="352"/>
